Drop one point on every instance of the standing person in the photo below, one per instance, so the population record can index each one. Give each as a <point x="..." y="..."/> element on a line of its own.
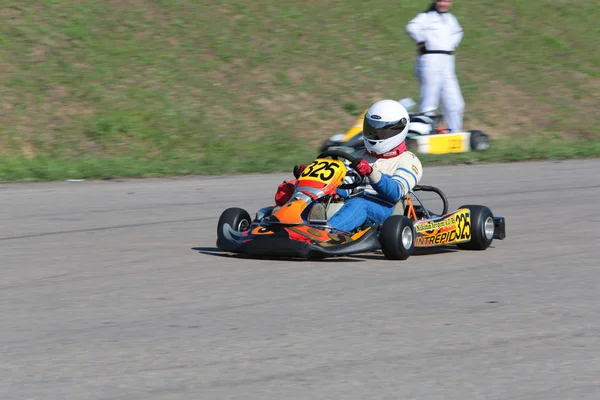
<point x="437" y="34"/>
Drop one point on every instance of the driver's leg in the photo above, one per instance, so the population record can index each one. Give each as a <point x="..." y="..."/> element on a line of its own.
<point x="431" y="80"/>
<point x="357" y="211"/>
<point x="453" y="104"/>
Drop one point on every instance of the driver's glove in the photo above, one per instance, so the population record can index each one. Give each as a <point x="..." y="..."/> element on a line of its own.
<point x="363" y="168"/>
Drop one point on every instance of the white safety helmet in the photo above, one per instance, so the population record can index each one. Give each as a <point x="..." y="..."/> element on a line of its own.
<point x="385" y="126"/>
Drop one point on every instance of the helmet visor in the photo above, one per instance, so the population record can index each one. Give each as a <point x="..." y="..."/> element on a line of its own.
<point x="375" y="130"/>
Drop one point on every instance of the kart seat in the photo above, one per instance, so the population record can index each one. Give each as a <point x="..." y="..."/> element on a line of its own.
<point x="333" y="207"/>
<point x="399" y="207"/>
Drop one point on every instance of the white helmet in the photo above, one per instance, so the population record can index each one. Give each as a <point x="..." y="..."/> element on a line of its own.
<point x="385" y="126"/>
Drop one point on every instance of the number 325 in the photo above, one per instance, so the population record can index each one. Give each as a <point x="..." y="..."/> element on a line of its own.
<point x="322" y="170"/>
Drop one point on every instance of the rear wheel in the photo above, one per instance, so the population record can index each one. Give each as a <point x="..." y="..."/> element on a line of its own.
<point x="482" y="228"/>
<point x="397" y="237"/>
<point x="237" y="218"/>
<point x="479" y="141"/>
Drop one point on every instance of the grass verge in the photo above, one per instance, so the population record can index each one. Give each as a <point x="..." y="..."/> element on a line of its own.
<point x="159" y="87"/>
<point x="95" y="167"/>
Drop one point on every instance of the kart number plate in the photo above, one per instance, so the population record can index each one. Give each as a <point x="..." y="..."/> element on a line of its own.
<point x="323" y="170"/>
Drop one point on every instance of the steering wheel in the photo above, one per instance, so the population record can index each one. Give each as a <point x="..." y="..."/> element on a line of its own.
<point x="357" y="178"/>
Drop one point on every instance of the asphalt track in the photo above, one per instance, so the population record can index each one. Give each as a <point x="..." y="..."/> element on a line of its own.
<point x="114" y="290"/>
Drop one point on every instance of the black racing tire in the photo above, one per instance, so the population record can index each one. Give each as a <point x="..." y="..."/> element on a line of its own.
<point x="237" y="218"/>
<point x="397" y="237"/>
<point x="479" y="141"/>
<point x="482" y="228"/>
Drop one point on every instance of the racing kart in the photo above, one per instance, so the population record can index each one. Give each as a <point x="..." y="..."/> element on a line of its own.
<point x="300" y="228"/>
<point x="426" y="134"/>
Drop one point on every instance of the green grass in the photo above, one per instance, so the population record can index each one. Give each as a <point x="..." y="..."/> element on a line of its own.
<point x="141" y="88"/>
<point x="95" y="167"/>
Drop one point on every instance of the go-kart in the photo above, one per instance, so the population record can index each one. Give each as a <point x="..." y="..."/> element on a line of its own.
<point x="300" y="228"/>
<point x="426" y="134"/>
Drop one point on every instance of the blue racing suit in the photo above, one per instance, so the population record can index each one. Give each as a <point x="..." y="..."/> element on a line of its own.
<point x="391" y="180"/>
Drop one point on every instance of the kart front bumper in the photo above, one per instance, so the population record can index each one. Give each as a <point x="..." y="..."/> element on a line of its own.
<point x="281" y="247"/>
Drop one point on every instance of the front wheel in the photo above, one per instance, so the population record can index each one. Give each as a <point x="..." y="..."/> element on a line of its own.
<point x="397" y="237"/>
<point x="237" y="218"/>
<point x="482" y="228"/>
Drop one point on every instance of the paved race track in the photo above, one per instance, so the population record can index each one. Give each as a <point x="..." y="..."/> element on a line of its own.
<point x="114" y="290"/>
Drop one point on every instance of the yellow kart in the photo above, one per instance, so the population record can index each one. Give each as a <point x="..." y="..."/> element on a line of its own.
<point x="426" y="134"/>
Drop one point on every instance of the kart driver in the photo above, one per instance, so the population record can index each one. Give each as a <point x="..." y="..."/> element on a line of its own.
<point x="437" y="34"/>
<point x="391" y="171"/>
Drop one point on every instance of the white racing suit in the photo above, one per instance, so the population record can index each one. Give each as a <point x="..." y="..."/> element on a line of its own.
<point x="438" y="35"/>
<point x="391" y="180"/>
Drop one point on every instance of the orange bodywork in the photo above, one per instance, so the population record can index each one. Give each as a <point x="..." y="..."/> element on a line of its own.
<point x="309" y="234"/>
<point x="322" y="175"/>
<point x="291" y="212"/>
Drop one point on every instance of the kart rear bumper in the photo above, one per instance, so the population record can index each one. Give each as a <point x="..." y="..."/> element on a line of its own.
<point x="499" y="228"/>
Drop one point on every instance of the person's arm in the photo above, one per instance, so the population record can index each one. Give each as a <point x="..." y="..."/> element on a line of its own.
<point x="393" y="188"/>
<point x="416" y="28"/>
<point x="345" y="193"/>
<point x="457" y="35"/>
<point x="405" y="178"/>
<point x="388" y="188"/>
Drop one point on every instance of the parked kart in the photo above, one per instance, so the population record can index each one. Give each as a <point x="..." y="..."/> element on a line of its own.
<point x="426" y="134"/>
<point x="300" y="229"/>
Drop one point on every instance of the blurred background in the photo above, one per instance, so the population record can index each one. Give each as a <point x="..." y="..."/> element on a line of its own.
<point x="144" y="87"/>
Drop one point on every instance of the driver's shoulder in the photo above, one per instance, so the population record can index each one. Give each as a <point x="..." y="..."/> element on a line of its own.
<point x="407" y="160"/>
<point x="411" y="159"/>
<point x="411" y="155"/>
<point x="412" y="164"/>
<point x="407" y="156"/>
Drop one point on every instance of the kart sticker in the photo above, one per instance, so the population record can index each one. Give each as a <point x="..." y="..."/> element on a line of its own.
<point x="260" y="230"/>
<point x="307" y="234"/>
<point x="455" y="228"/>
